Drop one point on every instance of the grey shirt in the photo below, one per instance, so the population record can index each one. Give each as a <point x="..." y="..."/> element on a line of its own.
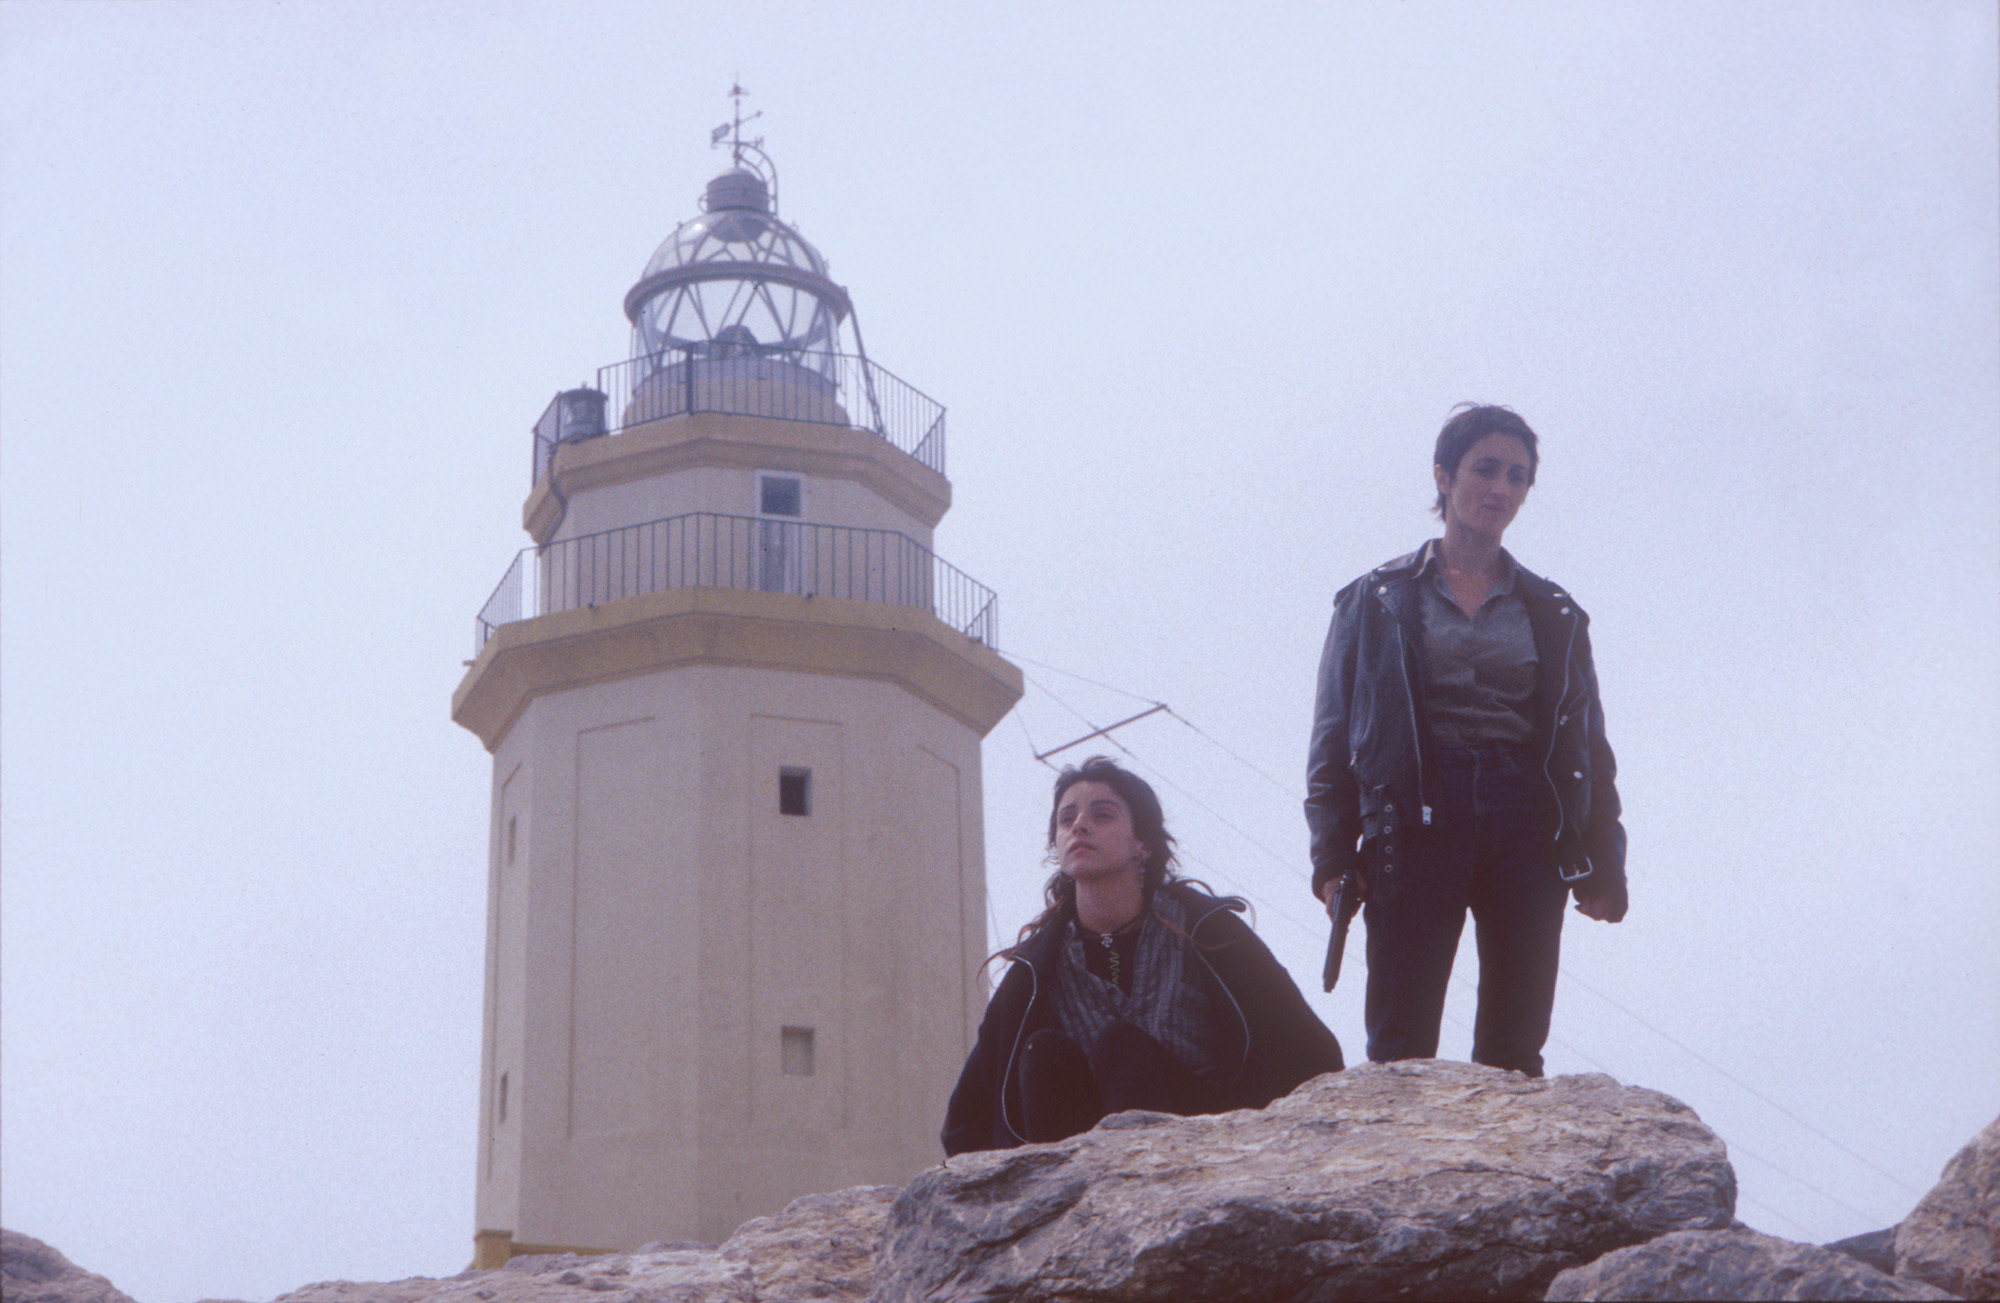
<point x="1479" y="666"/>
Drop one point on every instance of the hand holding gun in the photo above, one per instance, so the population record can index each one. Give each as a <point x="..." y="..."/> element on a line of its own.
<point x="1343" y="899"/>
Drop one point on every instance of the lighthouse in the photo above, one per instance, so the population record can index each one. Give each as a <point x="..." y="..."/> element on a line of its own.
<point x="734" y="701"/>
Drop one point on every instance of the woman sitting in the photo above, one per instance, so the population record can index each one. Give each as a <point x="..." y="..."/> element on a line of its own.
<point x="1132" y="990"/>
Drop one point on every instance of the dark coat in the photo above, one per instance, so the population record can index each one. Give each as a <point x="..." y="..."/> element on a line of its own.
<point x="1370" y="764"/>
<point x="1278" y="1043"/>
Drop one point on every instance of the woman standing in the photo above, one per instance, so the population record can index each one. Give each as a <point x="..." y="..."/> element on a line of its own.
<point x="1458" y="762"/>
<point x="1131" y="990"/>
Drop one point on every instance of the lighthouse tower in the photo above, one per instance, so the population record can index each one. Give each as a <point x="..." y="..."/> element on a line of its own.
<point x="736" y="913"/>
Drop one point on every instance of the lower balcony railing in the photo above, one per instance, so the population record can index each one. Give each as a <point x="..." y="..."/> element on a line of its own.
<point x="750" y="554"/>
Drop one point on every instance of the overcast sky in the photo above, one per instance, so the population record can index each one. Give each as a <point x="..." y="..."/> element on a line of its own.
<point x="283" y="287"/>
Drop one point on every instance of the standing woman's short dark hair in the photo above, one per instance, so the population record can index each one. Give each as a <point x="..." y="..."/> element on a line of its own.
<point x="1471" y="422"/>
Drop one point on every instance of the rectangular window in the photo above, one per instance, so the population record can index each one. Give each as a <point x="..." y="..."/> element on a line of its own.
<point x="795" y="791"/>
<point x="780" y="495"/>
<point x="780" y="540"/>
<point x="795" y="1051"/>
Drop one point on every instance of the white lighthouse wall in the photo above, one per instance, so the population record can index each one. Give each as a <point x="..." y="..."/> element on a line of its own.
<point x="661" y="925"/>
<point x="501" y="1060"/>
<point x="829" y="500"/>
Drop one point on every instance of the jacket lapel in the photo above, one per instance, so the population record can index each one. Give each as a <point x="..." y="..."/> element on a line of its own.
<point x="1553" y="617"/>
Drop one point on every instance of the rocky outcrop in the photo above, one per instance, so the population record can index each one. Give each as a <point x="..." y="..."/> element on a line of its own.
<point x="1952" y="1238"/>
<point x="32" y="1272"/>
<point x="1876" y="1248"/>
<point x="822" y="1247"/>
<point x="1732" y="1264"/>
<point x="1410" y="1180"/>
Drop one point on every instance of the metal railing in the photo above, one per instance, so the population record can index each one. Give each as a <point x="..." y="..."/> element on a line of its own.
<point x="820" y="388"/>
<point x="746" y="553"/>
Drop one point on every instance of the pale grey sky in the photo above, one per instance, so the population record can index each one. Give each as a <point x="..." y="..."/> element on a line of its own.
<point x="282" y="288"/>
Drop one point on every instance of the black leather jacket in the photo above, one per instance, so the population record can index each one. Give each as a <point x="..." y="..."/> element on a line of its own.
<point x="1371" y="765"/>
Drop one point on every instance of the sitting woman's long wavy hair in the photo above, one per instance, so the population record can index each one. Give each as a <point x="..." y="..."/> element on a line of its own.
<point x="1149" y="825"/>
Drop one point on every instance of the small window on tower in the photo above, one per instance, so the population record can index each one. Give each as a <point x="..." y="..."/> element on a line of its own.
<point x="503" y="1098"/>
<point x="513" y="835"/>
<point x="795" y="1051"/>
<point x="795" y="791"/>
<point x="780" y="495"/>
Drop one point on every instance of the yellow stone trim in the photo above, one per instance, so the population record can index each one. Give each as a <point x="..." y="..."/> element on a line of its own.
<point x="746" y="442"/>
<point x="720" y="626"/>
<point x="491" y="1249"/>
<point x="494" y="1249"/>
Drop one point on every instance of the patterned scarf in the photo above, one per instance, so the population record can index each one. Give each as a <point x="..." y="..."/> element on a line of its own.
<point x="1171" y="999"/>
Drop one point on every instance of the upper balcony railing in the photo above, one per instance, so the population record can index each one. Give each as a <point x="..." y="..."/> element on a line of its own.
<point x="743" y="380"/>
<point x="750" y="554"/>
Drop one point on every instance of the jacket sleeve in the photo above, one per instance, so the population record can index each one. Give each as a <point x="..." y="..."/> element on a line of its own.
<point x="968" y="1119"/>
<point x="971" y="1119"/>
<point x="1604" y="836"/>
<point x="1333" y="798"/>
<point x="1289" y="1045"/>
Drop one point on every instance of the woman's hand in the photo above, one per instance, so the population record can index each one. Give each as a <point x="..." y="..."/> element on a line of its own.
<point x="1604" y="901"/>
<point x="1332" y="888"/>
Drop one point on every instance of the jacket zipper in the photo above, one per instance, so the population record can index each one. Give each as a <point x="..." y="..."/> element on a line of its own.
<point x="1223" y="986"/>
<point x="1034" y="989"/>
<point x="1416" y="734"/>
<point x="1562" y="816"/>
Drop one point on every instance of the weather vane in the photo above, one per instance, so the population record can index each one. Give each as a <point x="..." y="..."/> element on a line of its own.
<point x="732" y="131"/>
<point x="746" y="153"/>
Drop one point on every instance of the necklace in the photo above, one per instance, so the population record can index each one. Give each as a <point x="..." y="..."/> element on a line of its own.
<point x="1109" y="940"/>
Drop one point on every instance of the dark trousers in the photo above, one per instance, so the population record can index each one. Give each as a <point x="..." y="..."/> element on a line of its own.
<point x="1066" y="1090"/>
<point x="1489" y="850"/>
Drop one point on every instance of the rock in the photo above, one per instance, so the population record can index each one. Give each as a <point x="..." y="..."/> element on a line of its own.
<point x="1876" y="1248"/>
<point x="377" y="1291"/>
<point x="1735" y="1264"/>
<point x="1406" y="1180"/>
<point x="821" y="1247"/>
<point x="1952" y="1238"/>
<point x="32" y="1272"/>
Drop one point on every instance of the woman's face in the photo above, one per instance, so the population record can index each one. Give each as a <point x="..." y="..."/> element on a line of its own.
<point x="1490" y="486"/>
<point x="1094" y="835"/>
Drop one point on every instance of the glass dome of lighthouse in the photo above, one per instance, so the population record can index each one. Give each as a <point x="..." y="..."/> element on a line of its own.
<point x="736" y="315"/>
<point x="738" y="282"/>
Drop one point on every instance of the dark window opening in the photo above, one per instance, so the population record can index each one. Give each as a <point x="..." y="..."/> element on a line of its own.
<point x="795" y="1051"/>
<point x="780" y="495"/>
<point x="794" y="791"/>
